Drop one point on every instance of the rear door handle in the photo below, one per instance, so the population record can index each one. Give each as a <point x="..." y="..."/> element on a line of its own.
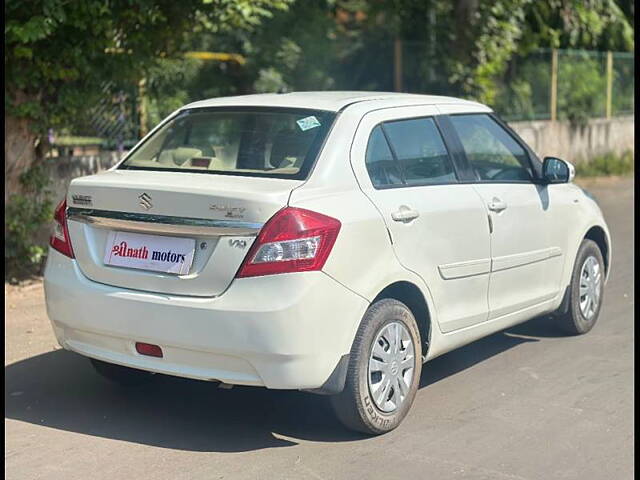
<point x="496" y="205"/>
<point x="405" y="214"/>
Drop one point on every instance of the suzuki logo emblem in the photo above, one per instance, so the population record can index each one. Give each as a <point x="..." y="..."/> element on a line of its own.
<point x="145" y="201"/>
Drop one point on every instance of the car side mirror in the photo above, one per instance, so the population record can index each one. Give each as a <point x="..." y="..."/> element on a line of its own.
<point x="555" y="170"/>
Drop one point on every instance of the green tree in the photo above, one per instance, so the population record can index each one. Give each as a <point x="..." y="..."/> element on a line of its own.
<point x="58" y="54"/>
<point x="466" y="45"/>
<point x="503" y="28"/>
<point x="459" y="48"/>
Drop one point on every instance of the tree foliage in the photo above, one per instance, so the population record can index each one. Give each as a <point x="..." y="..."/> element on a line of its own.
<point x="456" y="47"/>
<point x="501" y="29"/>
<point x="24" y="216"/>
<point x="58" y="53"/>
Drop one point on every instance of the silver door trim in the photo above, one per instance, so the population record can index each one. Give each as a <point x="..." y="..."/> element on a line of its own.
<point x="465" y="269"/>
<point x="521" y="259"/>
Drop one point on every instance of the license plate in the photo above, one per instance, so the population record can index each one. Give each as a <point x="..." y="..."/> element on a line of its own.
<point x="150" y="252"/>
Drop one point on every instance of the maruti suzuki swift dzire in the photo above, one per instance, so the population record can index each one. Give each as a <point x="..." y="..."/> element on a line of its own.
<point x="331" y="242"/>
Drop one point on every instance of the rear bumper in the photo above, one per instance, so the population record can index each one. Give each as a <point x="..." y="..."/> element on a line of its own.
<point x="285" y="331"/>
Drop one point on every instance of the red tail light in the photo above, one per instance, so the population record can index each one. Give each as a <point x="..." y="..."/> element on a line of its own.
<point x="60" y="237"/>
<point x="293" y="240"/>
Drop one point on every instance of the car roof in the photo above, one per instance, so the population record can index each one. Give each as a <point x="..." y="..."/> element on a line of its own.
<point x="327" y="100"/>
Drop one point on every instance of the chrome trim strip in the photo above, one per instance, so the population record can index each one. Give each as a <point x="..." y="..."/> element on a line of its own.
<point x="162" y="224"/>
<point x="520" y="259"/>
<point x="496" y="264"/>
<point x="465" y="269"/>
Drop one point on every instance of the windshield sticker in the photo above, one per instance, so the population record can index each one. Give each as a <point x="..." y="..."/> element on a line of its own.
<point x="308" y="123"/>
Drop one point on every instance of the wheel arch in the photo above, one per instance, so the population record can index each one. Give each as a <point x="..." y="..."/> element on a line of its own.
<point x="597" y="234"/>
<point x="411" y="295"/>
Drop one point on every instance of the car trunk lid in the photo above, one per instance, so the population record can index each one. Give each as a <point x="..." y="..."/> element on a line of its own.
<point x="215" y="218"/>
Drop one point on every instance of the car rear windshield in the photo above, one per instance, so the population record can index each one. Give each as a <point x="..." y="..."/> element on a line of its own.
<point x="256" y="142"/>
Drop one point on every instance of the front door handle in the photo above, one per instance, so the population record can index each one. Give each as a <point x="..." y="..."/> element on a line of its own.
<point x="405" y="214"/>
<point x="496" y="205"/>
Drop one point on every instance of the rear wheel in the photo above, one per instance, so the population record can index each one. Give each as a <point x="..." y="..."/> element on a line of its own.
<point x="124" y="376"/>
<point x="586" y="290"/>
<point x="384" y="370"/>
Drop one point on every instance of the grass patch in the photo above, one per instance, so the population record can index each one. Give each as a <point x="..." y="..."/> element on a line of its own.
<point x="607" y="164"/>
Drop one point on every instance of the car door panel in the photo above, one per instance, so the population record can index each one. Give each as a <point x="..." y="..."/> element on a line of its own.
<point x="526" y="265"/>
<point x="439" y="232"/>
<point x="526" y="251"/>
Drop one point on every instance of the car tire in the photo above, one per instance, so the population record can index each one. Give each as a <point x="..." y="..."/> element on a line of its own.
<point x="376" y="365"/>
<point x="586" y="291"/>
<point x="123" y="376"/>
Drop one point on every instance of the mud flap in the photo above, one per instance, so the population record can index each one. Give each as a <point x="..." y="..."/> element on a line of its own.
<point x="335" y="382"/>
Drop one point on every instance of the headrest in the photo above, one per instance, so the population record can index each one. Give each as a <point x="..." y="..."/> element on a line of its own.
<point x="289" y="148"/>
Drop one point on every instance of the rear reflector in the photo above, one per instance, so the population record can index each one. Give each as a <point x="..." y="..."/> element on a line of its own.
<point x="148" y="349"/>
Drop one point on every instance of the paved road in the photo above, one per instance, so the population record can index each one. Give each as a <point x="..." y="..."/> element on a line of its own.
<point x="522" y="404"/>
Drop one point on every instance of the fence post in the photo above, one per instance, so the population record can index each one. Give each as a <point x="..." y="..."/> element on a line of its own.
<point x="142" y="107"/>
<point x="609" y="82"/>
<point x="397" y="65"/>
<point x="554" y="84"/>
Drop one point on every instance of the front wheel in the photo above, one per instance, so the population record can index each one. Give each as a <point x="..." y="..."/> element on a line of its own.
<point x="384" y="370"/>
<point x="586" y="290"/>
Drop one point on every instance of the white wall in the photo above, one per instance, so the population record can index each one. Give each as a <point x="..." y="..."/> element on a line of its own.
<point x="576" y="144"/>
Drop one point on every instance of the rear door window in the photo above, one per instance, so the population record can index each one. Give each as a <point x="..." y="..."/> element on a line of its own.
<point x="420" y="151"/>
<point x="382" y="167"/>
<point x="408" y="153"/>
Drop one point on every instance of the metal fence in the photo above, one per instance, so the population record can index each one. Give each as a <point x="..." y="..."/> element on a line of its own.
<point x="545" y="84"/>
<point x="570" y="85"/>
<point x="113" y="121"/>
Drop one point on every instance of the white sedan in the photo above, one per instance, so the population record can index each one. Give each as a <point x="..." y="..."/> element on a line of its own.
<point x="330" y="242"/>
